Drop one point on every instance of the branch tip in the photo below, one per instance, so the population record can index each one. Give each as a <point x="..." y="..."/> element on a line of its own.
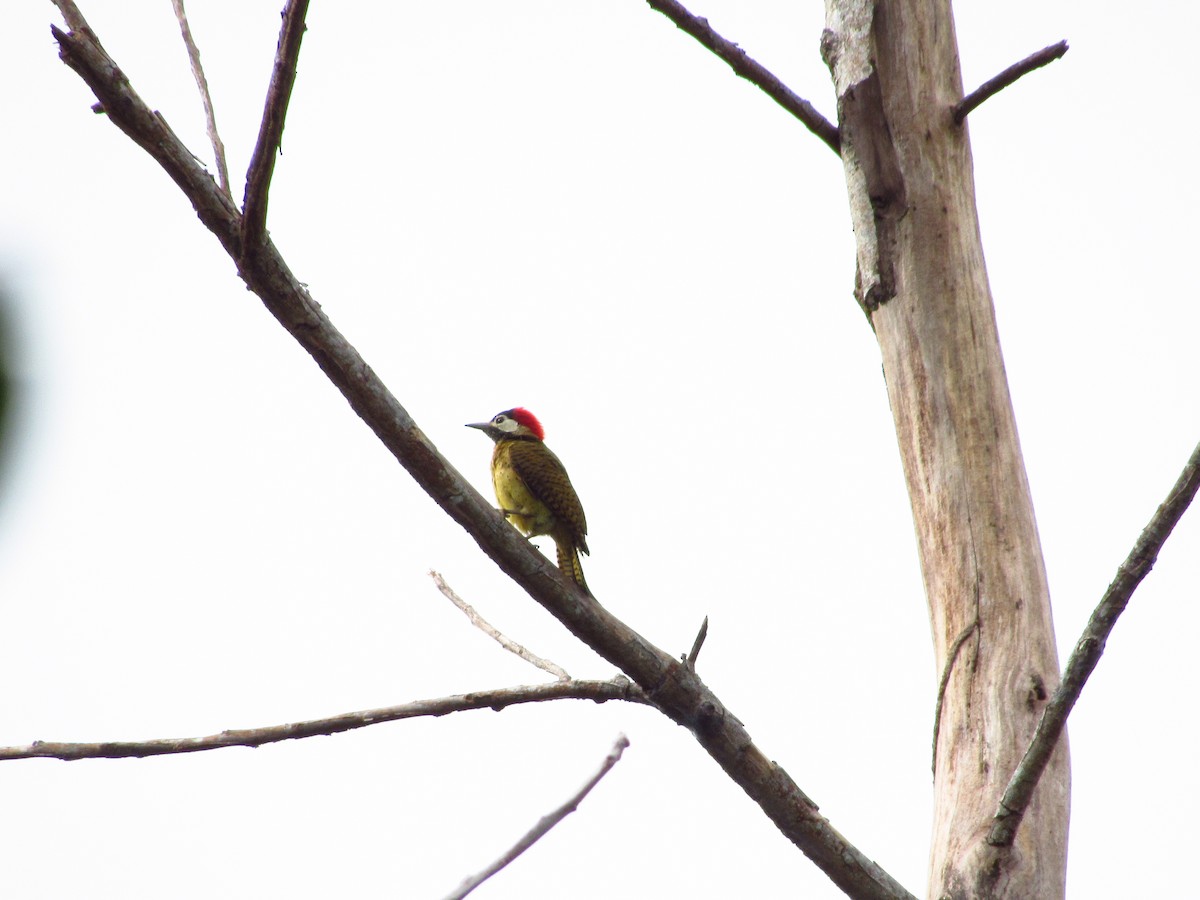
<point x="690" y="659"/>
<point x="71" y="15"/>
<point x="995" y="85"/>
<point x="494" y="633"/>
<point x="210" y="116"/>
<point x="495" y="699"/>
<point x="542" y="828"/>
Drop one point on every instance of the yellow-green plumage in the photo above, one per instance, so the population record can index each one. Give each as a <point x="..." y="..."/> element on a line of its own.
<point x="536" y="495"/>
<point x="533" y="488"/>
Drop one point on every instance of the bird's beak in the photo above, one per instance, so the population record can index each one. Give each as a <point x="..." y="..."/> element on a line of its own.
<point x="480" y="425"/>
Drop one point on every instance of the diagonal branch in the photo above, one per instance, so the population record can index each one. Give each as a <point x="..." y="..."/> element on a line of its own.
<point x="210" y="116"/>
<point x="270" y="132"/>
<point x="1088" y="651"/>
<point x="494" y="633"/>
<point x="545" y="823"/>
<point x="750" y="69"/>
<point x="674" y="690"/>
<point x="995" y="85"/>
<point x="598" y="691"/>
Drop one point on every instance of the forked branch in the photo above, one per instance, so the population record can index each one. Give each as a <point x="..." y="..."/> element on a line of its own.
<point x="71" y="14"/>
<point x="1087" y="653"/>
<point x="667" y="682"/>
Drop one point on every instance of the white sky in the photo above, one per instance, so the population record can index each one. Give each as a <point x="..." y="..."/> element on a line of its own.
<point x="574" y="207"/>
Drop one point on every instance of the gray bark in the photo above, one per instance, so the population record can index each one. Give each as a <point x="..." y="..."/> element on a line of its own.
<point x="923" y="284"/>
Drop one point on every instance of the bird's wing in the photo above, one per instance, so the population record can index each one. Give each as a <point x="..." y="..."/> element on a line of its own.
<point x="547" y="479"/>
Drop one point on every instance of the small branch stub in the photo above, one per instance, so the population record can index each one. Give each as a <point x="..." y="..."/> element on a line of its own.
<point x="690" y="659"/>
<point x="995" y="85"/>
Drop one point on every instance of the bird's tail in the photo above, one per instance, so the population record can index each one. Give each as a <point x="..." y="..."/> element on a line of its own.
<point x="568" y="561"/>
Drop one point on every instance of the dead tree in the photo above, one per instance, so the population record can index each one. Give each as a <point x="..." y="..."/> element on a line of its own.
<point x="922" y="281"/>
<point x="1001" y="769"/>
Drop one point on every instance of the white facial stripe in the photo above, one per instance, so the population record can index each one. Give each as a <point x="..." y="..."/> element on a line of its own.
<point x="504" y="423"/>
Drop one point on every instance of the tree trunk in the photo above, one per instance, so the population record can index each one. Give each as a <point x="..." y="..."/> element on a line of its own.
<point x="922" y="281"/>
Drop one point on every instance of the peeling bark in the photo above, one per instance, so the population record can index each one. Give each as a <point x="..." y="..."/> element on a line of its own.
<point x="922" y="281"/>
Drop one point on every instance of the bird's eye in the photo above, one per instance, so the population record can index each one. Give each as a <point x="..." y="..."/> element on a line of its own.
<point x="500" y="419"/>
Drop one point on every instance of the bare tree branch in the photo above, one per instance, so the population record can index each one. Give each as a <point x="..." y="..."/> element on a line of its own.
<point x="674" y="690"/>
<point x="995" y="85"/>
<point x="210" y="117"/>
<point x="598" y="691"/>
<point x="545" y="823"/>
<point x="495" y="634"/>
<point x="750" y="69"/>
<point x="270" y="133"/>
<point x="1087" y="653"/>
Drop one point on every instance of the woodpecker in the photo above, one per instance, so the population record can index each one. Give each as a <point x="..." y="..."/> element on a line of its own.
<point x="532" y="486"/>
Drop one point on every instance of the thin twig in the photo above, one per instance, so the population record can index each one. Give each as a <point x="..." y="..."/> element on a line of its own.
<point x="1087" y="654"/>
<point x="495" y="634"/>
<point x="270" y="132"/>
<point x="945" y="680"/>
<point x="210" y="117"/>
<point x="545" y="823"/>
<point x="677" y="692"/>
<point x="750" y="69"/>
<point x="690" y="659"/>
<point x="618" y="688"/>
<point x="1008" y="76"/>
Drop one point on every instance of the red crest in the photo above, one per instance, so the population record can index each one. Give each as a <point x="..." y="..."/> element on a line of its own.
<point x="529" y="420"/>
